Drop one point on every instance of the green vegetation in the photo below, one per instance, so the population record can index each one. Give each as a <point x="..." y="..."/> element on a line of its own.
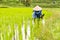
<point x="30" y="3"/>
<point x="11" y="16"/>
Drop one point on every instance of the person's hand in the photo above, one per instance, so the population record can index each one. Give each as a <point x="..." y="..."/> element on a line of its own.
<point x="42" y="16"/>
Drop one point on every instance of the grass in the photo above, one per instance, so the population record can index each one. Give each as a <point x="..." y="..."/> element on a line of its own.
<point x="11" y="16"/>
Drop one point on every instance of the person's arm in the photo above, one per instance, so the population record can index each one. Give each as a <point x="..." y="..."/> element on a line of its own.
<point x="42" y="16"/>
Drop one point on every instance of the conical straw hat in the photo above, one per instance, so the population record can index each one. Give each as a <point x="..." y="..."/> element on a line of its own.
<point x="37" y="8"/>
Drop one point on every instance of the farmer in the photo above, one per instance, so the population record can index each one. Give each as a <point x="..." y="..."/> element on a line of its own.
<point x="37" y="13"/>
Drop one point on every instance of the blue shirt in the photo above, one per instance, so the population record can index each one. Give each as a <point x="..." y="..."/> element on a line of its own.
<point x="37" y="14"/>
